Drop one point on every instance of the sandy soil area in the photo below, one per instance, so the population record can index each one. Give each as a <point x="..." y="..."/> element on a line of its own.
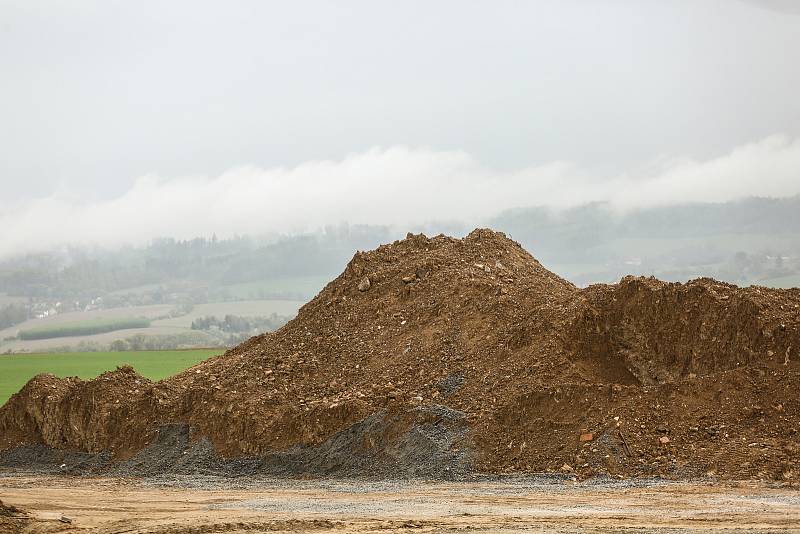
<point x="268" y="505"/>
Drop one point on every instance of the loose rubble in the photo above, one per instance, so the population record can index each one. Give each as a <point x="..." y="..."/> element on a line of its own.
<point x="12" y="519"/>
<point x="514" y="369"/>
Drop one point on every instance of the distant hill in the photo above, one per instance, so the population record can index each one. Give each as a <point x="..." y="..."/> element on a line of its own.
<point x="752" y="241"/>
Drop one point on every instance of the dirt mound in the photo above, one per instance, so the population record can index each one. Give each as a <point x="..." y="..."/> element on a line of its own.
<point x="655" y="378"/>
<point x="8" y="510"/>
<point x="644" y="331"/>
<point x="12" y="519"/>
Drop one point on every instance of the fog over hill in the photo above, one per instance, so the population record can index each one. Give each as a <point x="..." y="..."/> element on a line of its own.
<point x="398" y="187"/>
<point x="751" y="241"/>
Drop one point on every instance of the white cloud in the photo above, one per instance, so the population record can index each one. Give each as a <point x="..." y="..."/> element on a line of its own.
<point x="397" y="186"/>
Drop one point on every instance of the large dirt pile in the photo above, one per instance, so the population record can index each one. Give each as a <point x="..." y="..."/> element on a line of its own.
<point x="12" y="519"/>
<point x="434" y="356"/>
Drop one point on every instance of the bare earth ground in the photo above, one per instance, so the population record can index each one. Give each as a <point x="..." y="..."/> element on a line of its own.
<point x="189" y="504"/>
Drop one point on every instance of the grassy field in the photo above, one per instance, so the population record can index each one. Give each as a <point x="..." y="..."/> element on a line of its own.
<point x="17" y="369"/>
<point x="85" y="328"/>
<point x="246" y="308"/>
<point x="307" y="286"/>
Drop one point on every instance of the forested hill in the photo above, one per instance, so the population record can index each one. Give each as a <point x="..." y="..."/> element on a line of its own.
<point x="750" y="241"/>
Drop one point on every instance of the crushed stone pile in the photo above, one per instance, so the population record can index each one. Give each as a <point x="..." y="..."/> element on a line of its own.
<point x="441" y="357"/>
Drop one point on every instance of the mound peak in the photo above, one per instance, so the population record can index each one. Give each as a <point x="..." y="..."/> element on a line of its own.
<point x="512" y="362"/>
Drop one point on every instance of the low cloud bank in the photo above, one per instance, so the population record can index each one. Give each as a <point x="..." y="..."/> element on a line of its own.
<point x="396" y="186"/>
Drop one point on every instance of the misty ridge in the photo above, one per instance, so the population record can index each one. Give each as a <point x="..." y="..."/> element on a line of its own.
<point x="236" y="250"/>
<point x="398" y="187"/>
<point x="750" y="241"/>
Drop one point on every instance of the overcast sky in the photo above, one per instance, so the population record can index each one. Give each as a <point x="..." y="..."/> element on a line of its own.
<point x="106" y="103"/>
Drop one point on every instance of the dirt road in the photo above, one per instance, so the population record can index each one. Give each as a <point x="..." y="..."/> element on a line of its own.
<point x="219" y="505"/>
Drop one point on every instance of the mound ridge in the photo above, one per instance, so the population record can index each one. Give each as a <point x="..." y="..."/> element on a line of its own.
<point x="469" y="355"/>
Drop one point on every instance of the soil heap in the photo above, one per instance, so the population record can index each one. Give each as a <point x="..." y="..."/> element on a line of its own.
<point x="12" y="519"/>
<point x="441" y="357"/>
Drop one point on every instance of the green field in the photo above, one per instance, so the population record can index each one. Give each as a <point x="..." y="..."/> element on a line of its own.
<point x="84" y="328"/>
<point x="17" y="369"/>
<point x="305" y="286"/>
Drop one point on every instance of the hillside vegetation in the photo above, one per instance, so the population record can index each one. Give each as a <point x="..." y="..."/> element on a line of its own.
<point x="86" y="328"/>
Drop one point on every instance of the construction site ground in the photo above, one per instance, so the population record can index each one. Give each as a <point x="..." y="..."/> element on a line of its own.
<point x="547" y="503"/>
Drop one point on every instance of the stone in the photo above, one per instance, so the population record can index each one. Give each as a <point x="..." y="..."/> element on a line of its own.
<point x="586" y="437"/>
<point x="364" y="284"/>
